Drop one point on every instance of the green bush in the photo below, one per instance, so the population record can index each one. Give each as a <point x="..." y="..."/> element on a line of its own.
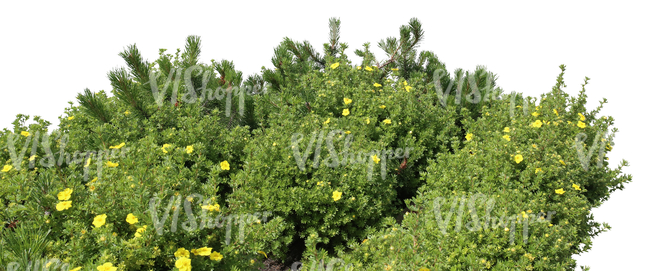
<point x="293" y="164"/>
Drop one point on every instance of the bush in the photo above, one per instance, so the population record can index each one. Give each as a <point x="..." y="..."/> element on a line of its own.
<point x="313" y="158"/>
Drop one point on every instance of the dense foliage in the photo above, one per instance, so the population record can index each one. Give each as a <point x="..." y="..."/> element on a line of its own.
<point x="386" y="165"/>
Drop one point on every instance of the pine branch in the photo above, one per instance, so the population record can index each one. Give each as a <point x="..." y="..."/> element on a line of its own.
<point x="93" y="106"/>
<point x="192" y="51"/>
<point x="335" y="30"/>
<point x="126" y="91"/>
<point x="139" y="68"/>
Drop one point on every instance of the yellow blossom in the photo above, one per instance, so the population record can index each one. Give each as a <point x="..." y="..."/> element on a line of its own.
<point x="469" y="136"/>
<point x="535" y="146"/>
<point x="131" y="219"/>
<point x="506" y="137"/>
<point x="555" y="111"/>
<point x="336" y="195"/>
<point x="204" y="251"/>
<point x="394" y="69"/>
<point x="184" y="264"/>
<point x="76" y="269"/>
<point x="537" y="124"/>
<point x="347" y="132"/>
<point x="25" y="133"/>
<point x="225" y="166"/>
<point x="127" y="112"/>
<point x="506" y="130"/>
<point x="376" y="159"/>
<point x="518" y="158"/>
<point x="7" y="168"/>
<point x="408" y="88"/>
<point x="165" y="146"/>
<point x="87" y="162"/>
<point x="535" y="114"/>
<point x="382" y="106"/>
<point x="346" y="112"/>
<point x="99" y="220"/>
<point x="347" y="101"/>
<point x="106" y="267"/>
<point x="387" y="121"/>
<point x="65" y="194"/>
<point x="367" y="120"/>
<point x="334" y="66"/>
<point x="327" y="121"/>
<point x="368" y="69"/>
<point x="33" y="157"/>
<point x="559" y="191"/>
<point x="581" y="124"/>
<point x="182" y="252"/>
<point x="576" y="187"/>
<point x="376" y="85"/>
<point x="117" y="146"/>
<point x="216" y="256"/>
<point x="63" y="205"/>
<point x="358" y="67"/>
<point x="562" y="162"/>
<point x="582" y="117"/>
<point x="111" y="164"/>
<point x="71" y="118"/>
<point x="538" y="170"/>
<point x="189" y="149"/>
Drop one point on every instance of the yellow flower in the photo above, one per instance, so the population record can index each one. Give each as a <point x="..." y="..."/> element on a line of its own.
<point x="204" y="251"/>
<point x="336" y="195"/>
<point x="536" y="124"/>
<point x="562" y="162"/>
<point x="518" y="158"/>
<point x="76" y="269"/>
<point x="87" y="163"/>
<point x="189" y="149"/>
<point x="33" y="157"/>
<point x="184" y="264"/>
<point x="576" y="187"/>
<point x="91" y="188"/>
<point x="25" y="133"/>
<point x="394" y="69"/>
<point x="387" y="121"/>
<point x="71" y="118"/>
<point x="382" y="106"/>
<point x="368" y="69"/>
<point x="64" y="205"/>
<point x="376" y="85"/>
<point x="99" y="220"/>
<point x="327" y="121"/>
<point x="127" y="112"/>
<point x="131" y="219"/>
<point x="111" y="164"/>
<point x="117" y="146"/>
<point x="559" y="191"/>
<point x="165" y="146"/>
<point x="367" y="120"/>
<point x="408" y="88"/>
<point x="581" y="124"/>
<point x="214" y="207"/>
<point x="182" y="252"/>
<point x="376" y="159"/>
<point x="358" y="67"/>
<point x="334" y="66"/>
<point x="582" y="117"/>
<point x="347" y="132"/>
<point x="347" y="101"/>
<point x="216" y="256"/>
<point x="555" y="111"/>
<point x="469" y="136"/>
<point x="225" y="165"/>
<point x="535" y="114"/>
<point x="346" y="112"/>
<point x="506" y="130"/>
<point x="506" y="137"/>
<point x="141" y="230"/>
<point x="535" y="146"/>
<point x="106" y="267"/>
<point x="65" y="194"/>
<point x="7" y="168"/>
<point x="538" y="170"/>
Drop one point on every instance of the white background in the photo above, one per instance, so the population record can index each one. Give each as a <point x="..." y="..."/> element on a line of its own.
<point x="51" y="51"/>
